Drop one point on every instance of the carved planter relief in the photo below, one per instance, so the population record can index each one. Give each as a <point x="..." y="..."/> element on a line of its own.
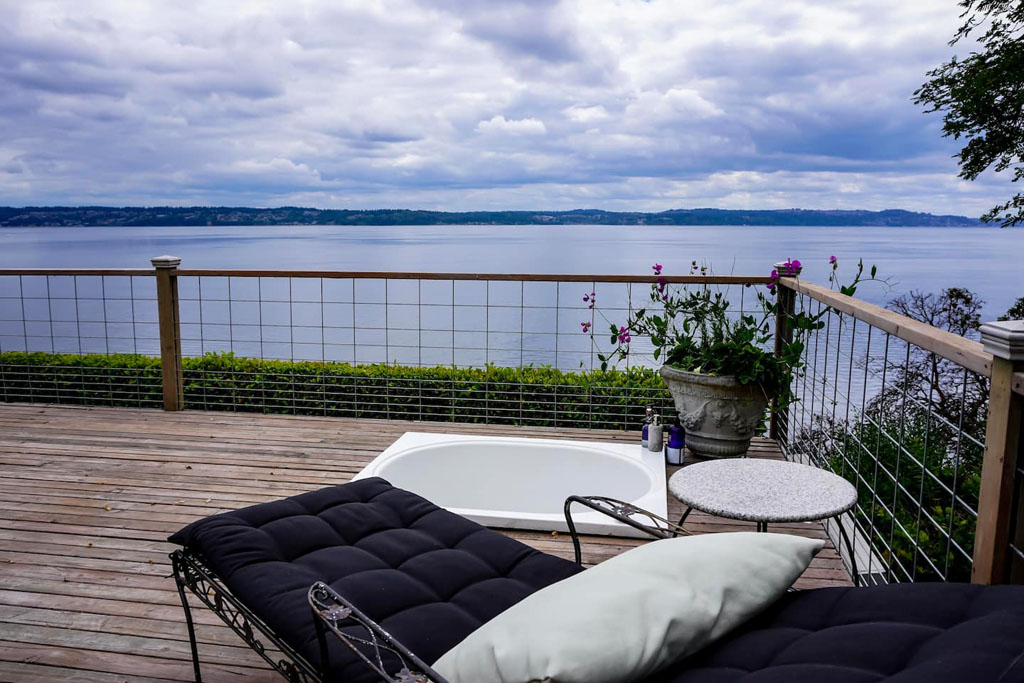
<point x="718" y="413"/>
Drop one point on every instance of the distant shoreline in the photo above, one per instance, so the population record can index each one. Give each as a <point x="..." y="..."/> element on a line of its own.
<point x="99" y="216"/>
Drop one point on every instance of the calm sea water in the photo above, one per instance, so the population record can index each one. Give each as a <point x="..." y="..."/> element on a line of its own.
<point x="989" y="261"/>
<point x="469" y="324"/>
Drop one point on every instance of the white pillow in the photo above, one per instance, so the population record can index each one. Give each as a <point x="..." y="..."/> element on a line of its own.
<point x="634" y="614"/>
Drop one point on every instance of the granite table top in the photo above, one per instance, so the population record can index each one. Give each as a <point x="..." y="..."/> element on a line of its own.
<point x="759" y="490"/>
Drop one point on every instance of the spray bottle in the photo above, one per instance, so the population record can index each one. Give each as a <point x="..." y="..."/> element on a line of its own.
<point x="644" y="431"/>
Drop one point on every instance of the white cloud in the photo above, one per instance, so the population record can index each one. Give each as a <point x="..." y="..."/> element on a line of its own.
<point x="586" y="114"/>
<point x="500" y="125"/>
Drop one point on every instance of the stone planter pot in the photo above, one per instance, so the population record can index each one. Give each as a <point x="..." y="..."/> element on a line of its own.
<point x="718" y="413"/>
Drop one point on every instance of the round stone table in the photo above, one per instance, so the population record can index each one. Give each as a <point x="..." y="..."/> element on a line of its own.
<point x="765" y="491"/>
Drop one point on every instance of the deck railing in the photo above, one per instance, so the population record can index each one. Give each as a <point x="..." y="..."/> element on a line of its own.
<point x="502" y="348"/>
<point x="926" y="424"/>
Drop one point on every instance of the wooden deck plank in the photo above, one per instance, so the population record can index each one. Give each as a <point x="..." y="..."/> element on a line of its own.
<point x="91" y="494"/>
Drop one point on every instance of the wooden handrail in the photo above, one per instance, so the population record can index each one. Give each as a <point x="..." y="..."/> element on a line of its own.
<point x="400" y="275"/>
<point x="76" y="271"/>
<point x="514" y="277"/>
<point x="964" y="352"/>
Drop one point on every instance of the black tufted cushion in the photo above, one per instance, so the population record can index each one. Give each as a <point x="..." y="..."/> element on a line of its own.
<point x="903" y="633"/>
<point x="428" y="576"/>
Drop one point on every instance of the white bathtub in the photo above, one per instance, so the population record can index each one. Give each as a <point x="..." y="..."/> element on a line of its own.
<point x="518" y="483"/>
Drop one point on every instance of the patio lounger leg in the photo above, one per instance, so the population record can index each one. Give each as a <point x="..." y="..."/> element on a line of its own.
<point x="686" y="513"/>
<point x="188" y="622"/>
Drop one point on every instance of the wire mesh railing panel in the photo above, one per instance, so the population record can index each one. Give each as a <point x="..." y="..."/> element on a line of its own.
<point x="477" y="350"/>
<point x="410" y="322"/>
<point x="80" y="339"/>
<point x="906" y="427"/>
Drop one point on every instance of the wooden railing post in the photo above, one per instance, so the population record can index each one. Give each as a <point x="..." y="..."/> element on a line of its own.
<point x="778" y="428"/>
<point x="170" y="335"/>
<point x="1003" y="445"/>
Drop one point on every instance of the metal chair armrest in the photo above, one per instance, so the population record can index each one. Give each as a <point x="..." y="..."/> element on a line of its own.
<point x="621" y="511"/>
<point x="331" y="611"/>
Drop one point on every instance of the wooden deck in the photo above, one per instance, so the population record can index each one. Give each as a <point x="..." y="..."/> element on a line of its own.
<point x="90" y="494"/>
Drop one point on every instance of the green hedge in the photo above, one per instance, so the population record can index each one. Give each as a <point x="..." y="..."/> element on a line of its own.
<point x="540" y="396"/>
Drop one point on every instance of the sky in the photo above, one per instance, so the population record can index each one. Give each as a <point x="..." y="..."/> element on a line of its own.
<point x="479" y="105"/>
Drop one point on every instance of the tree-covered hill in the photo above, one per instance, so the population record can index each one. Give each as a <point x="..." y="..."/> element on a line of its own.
<point x="290" y="215"/>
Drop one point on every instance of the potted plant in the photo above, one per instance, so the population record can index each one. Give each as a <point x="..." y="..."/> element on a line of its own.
<point x="720" y="367"/>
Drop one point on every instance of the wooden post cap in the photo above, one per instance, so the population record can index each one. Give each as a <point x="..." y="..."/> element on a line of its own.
<point x="165" y="261"/>
<point x="1004" y="339"/>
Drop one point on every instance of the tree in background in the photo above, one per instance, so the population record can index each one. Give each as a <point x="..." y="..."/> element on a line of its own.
<point x="924" y="382"/>
<point x="982" y="97"/>
<point x="1015" y="312"/>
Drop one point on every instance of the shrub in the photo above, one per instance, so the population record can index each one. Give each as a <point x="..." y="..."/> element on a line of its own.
<point x="539" y="396"/>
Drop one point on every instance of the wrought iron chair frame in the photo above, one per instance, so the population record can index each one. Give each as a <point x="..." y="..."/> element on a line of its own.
<point x="190" y="572"/>
<point x="329" y="609"/>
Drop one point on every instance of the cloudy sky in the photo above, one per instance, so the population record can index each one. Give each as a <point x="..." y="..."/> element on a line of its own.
<point x="478" y="104"/>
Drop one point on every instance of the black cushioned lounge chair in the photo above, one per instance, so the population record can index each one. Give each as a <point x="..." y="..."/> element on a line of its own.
<point x="364" y="582"/>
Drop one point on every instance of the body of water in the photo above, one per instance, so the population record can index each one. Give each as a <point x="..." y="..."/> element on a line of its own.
<point x="989" y="261"/>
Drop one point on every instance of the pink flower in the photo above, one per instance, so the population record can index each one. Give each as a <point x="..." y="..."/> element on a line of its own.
<point x="657" y="268"/>
<point x="790" y="267"/>
<point x="624" y="337"/>
<point x="586" y="326"/>
<point x="662" y="283"/>
<point x="833" y="260"/>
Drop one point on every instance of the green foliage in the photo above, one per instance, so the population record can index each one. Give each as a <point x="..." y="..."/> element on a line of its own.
<point x="982" y="97"/>
<point x="539" y="396"/>
<point x="90" y="379"/>
<point x="905" y="468"/>
<point x="1016" y="311"/>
